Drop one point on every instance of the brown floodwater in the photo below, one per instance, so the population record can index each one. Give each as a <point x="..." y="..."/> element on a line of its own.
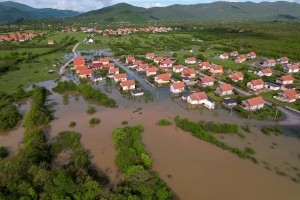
<point x="193" y="169"/>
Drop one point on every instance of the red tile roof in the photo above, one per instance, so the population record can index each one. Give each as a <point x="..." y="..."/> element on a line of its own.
<point x="150" y="54"/>
<point x="113" y="70"/>
<point x="226" y="87"/>
<point x="178" y="66"/>
<point x="159" y="58"/>
<point x="207" y="79"/>
<point x="85" y="71"/>
<point x="178" y="85"/>
<point x="218" y="67"/>
<point x="103" y="60"/>
<point x="206" y="64"/>
<point x="130" y="59"/>
<point x="271" y="61"/>
<point x="252" y="53"/>
<point x="119" y="76"/>
<point x="188" y="72"/>
<point x="152" y="69"/>
<point x="225" y="54"/>
<point x="267" y="71"/>
<point x="79" y="61"/>
<point x="164" y="77"/>
<point x="293" y="67"/>
<point x="284" y="59"/>
<point x="191" y="59"/>
<point x="198" y="96"/>
<point x="256" y="101"/>
<point x="167" y="62"/>
<point x="146" y="65"/>
<point x="291" y="94"/>
<point x="287" y="78"/>
<point x="257" y="82"/>
<point x="128" y="83"/>
<point x="236" y="75"/>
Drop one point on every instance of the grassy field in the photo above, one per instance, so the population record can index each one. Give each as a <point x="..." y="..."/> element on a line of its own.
<point x="59" y="36"/>
<point x="29" y="73"/>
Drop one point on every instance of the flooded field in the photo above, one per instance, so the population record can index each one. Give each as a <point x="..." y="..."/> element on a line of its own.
<point x="192" y="168"/>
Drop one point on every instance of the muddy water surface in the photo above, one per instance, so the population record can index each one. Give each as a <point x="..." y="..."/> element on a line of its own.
<point x="192" y="168"/>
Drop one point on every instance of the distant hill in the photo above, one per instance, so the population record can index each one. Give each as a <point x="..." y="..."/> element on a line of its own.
<point x="217" y="11"/>
<point x="11" y="11"/>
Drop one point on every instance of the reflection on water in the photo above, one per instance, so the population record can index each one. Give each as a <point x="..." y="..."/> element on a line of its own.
<point x="192" y="168"/>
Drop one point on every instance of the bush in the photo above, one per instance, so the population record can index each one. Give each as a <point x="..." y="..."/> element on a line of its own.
<point x="219" y="127"/>
<point x="95" y="121"/>
<point x="4" y="152"/>
<point x="164" y="122"/>
<point x="72" y="124"/>
<point x="249" y="150"/>
<point x="246" y="128"/>
<point x="9" y="117"/>
<point x="91" y="110"/>
<point x="124" y="122"/>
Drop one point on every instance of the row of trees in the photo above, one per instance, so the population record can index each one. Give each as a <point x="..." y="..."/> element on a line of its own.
<point x="200" y="133"/>
<point x="132" y="159"/>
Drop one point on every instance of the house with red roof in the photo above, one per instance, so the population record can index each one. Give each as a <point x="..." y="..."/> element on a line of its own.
<point x="251" y="55"/>
<point x="50" y="42"/>
<point x="151" y="71"/>
<point x="256" y="85"/>
<point x="158" y="59"/>
<point x="79" y="61"/>
<point x="150" y="56"/>
<point x="292" y="68"/>
<point x="284" y="60"/>
<point x="200" y="98"/>
<point x="84" y="73"/>
<point x="178" y="68"/>
<point x="254" y="103"/>
<point x="284" y="80"/>
<point x="135" y="64"/>
<point x="240" y="59"/>
<point x="143" y="67"/>
<point x="265" y="72"/>
<point x="190" y="73"/>
<point x="98" y="66"/>
<point x="190" y="61"/>
<point x="225" y="89"/>
<point x="104" y="61"/>
<point x="289" y="95"/>
<point x="206" y="81"/>
<point x="177" y="87"/>
<point x="113" y="70"/>
<point x="120" y="77"/>
<point x="127" y="85"/>
<point x="166" y="64"/>
<point x="108" y="66"/>
<point x="224" y="56"/>
<point x="163" y="78"/>
<point x="236" y="77"/>
<point x="269" y="63"/>
<point x="234" y="53"/>
<point x="204" y="65"/>
<point x="217" y="69"/>
<point x="130" y="60"/>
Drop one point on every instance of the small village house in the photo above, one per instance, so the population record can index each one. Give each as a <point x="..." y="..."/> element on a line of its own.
<point x="162" y="78"/>
<point x="254" y="103"/>
<point x="177" y="87"/>
<point x="143" y="67"/>
<point x="236" y="77"/>
<point x="150" y="56"/>
<point x="224" y="56"/>
<point x="166" y="63"/>
<point x="85" y="73"/>
<point x="256" y="85"/>
<point x="240" y="59"/>
<point x="251" y="55"/>
<point x="178" y="68"/>
<point x="113" y="71"/>
<point x="151" y="71"/>
<point x="206" y="81"/>
<point x="137" y="92"/>
<point x="190" y="73"/>
<point x="79" y="62"/>
<point x="265" y="72"/>
<point x="130" y="60"/>
<point x="292" y="68"/>
<point x="272" y="86"/>
<point x="104" y="61"/>
<point x="217" y="69"/>
<point x="229" y="102"/>
<point x="269" y="63"/>
<point x="225" y="89"/>
<point x="234" y="53"/>
<point x="190" y="61"/>
<point x="200" y="98"/>
<point x="50" y="42"/>
<point x="158" y="59"/>
<point x="284" y="60"/>
<point x="120" y="77"/>
<point x="284" y="80"/>
<point x="290" y="95"/>
<point x="127" y="85"/>
<point x="204" y="65"/>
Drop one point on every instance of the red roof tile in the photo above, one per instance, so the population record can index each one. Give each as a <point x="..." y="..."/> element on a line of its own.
<point x="257" y="82"/>
<point x="287" y="78"/>
<point x="178" y="85"/>
<point x="226" y="87"/>
<point x="128" y="83"/>
<point x="256" y="101"/>
<point x="291" y="94"/>
<point x="198" y="96"/>
<point x="79" y="61"/>
<point x="119" y="76"/>
<point x="207" y="79"/>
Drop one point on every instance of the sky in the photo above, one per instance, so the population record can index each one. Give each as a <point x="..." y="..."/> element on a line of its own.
<point x="86" y="5"/>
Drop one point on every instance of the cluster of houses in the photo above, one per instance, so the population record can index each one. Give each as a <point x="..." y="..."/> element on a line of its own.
<point x="238" y="58"/>
<point x="19" y="37"/>
<point x="120" y="31"/>
<point x="89" y="71"/>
